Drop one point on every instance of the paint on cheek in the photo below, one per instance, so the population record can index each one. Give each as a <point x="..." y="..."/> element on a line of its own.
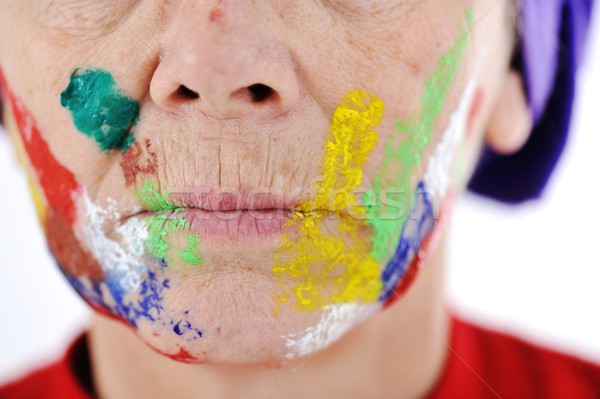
<point x="421" y="230"/>
<point x="138" y="160"/>
<point x="130" y="291"/>
<point x="67" y="250"/>
<point x="474" y="111"/>
<point x="120" y="258"/>
<point x="438" y="174"/>
<point x="99" y="109"/>
<point x="56" y="181"/>
<point x="37" y="195"/>
<point x="163" y="226"/>
<point x="320" y="268"/>
<point x="418" y="226"/>
<point x="429" y="241"/>
<point x="404" y="150"/>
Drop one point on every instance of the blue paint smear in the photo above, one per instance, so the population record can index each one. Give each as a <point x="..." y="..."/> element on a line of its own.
<point x="184" y="327"/>
<point x="148" y="303"/>
<point x="420" y="223"/>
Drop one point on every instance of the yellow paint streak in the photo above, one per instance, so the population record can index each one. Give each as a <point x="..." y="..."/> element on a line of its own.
<point x="38" y="199"/>
<point x="322" y="268"/>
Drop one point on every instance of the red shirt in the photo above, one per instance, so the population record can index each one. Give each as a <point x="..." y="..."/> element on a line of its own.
<point x="481" y="364"/>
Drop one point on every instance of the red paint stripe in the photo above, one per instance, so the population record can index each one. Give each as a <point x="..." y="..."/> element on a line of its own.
<point x="181" y="356"/>
<point x="475" y="111"/>
<point x="57" y="182"/>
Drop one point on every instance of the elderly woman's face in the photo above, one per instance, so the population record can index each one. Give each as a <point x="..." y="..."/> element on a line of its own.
<point x="242" y="182"/>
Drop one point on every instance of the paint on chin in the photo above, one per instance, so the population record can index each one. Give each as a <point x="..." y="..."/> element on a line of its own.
<point x="109" y="276"/>
<point x="99" y="109"/>
<point x="405" y="148"/>
<point x="336" y="320"/>
<point x="318" y="268"/>
<point x="409" y="237"/>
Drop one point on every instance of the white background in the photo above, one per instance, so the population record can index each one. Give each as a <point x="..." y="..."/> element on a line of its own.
<point x="533" y="270"/>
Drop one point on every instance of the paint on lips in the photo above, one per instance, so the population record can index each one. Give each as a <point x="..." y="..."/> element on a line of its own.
<point x="99" y="108"/>
<point x="161" y="225"/>
<point x="321" y="268"/>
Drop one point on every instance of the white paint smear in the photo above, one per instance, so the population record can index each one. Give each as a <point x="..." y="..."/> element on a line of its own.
<point x="335" y="322"/>
<point x="121" y="260"/>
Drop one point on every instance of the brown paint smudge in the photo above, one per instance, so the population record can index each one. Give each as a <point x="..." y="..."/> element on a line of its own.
<point x="138" y="160"/>
<point x="67" y="250"/>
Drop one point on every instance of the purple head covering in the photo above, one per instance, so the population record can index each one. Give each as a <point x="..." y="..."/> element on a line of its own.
<point x="552" y="37"/>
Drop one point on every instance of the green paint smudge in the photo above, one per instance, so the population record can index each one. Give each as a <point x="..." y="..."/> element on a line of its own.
<point x="162" y="225"/>
<point x="413" y="137"/>
<point x="99" y="109"/>
<point x="153" y="200"/>
<point x="191" y="255"/>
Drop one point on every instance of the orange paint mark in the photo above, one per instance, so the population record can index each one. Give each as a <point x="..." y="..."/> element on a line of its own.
<point x="215" y="14"/>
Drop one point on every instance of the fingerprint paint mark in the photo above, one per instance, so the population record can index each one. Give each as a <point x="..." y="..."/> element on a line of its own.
<point x="99" y="109"/>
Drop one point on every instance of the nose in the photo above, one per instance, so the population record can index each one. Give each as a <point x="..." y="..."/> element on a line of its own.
<point x="219" y="61"/>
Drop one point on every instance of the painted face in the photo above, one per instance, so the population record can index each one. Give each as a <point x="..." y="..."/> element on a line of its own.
<point x="249" y="197"/>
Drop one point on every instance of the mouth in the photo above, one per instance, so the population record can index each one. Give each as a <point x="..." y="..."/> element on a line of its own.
<point x="234" y="201"/>
<point x="225" y="217"/>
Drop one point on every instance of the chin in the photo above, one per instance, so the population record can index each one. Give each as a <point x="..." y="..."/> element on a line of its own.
<point x="226" y="314"/>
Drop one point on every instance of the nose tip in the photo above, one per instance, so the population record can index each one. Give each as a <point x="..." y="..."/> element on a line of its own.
<point x="226" y="83"/>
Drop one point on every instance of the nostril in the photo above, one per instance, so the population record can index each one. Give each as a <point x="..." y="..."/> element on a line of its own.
<point x="185" y="93"/>
<point x="260" y="92"/>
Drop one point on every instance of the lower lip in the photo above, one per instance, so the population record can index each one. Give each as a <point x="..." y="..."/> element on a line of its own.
<point x="241" y="225"/>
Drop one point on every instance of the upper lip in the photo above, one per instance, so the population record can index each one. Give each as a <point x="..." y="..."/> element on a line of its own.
<point x="228" y="201"/>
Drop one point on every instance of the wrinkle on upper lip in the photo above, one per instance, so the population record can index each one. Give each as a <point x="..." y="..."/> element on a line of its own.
<point x="151" y="199"/>
<point x="231" y="201"/>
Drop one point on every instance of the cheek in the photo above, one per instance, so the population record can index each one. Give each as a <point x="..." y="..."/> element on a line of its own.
<point x="475" y="112"/>
<point x="57" y="182"/>
<point x="100" y="110"/>
<point x="418" y="164"/>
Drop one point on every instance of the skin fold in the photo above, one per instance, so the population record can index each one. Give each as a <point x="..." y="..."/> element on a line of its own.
<point x="256" y="187"/>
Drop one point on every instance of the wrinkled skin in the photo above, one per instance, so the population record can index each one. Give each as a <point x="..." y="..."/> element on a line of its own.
<point x="310" y="55"/>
